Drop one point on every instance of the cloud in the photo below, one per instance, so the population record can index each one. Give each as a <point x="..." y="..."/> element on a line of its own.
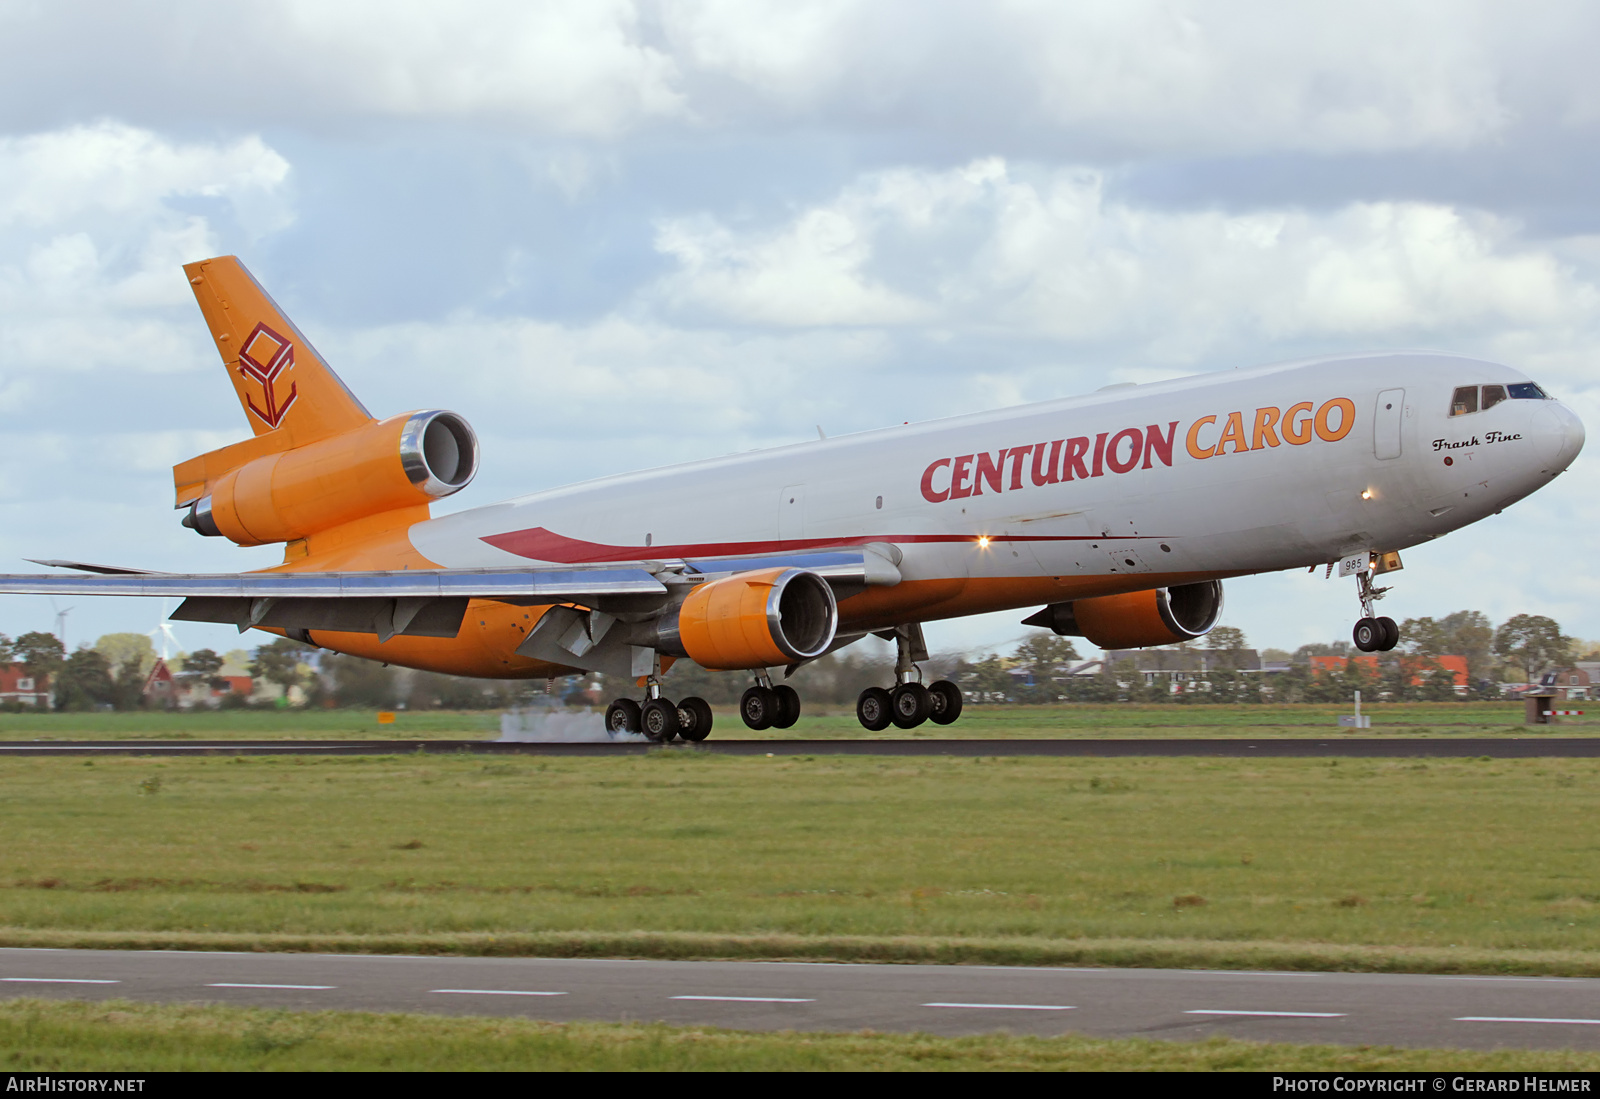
<point x="570" y="66"/>
<point x="95" y="235"/>
<point x="1130" y="78"/>
<point x="111" y="168"/>
<point x="1057" y="255"/>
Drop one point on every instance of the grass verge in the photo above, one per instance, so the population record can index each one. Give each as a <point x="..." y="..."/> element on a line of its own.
<point x="1469" y="865"/>
<point x="120" y="1036"/>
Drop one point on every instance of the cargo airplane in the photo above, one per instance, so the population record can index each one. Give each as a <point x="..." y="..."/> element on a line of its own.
<point x="1119" y="514"/>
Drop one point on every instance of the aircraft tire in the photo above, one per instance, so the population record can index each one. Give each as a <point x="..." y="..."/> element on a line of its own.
<point x="758" y="707"/>
<point x="1391" y="634"/>
<point x="872" y="709"/>
<point x="788" y="706"/>
<point x="622" y="716"/>
<point x="658" y="720"/>
<point x="946" y="699"/>
<point x="909" y="705"/>
<point x="698" y="727"/>
<point x="1368" y="635"/>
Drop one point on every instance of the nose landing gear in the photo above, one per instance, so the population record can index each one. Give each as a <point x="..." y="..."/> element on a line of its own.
<point x="1373" y="634"/>
<point x="909" y="703"/>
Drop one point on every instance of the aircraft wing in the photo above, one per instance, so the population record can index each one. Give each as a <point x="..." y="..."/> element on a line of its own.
<point x="423" y="602"/>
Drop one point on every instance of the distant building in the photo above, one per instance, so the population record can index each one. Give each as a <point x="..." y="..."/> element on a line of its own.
<point x="165" y="689"/>
<point x="16" y="685"/>
<point x="1570" y="682"/>
<point x="1185" y="670"/>
<point x="160" y="686"/>
<point x="1455" y="665"/>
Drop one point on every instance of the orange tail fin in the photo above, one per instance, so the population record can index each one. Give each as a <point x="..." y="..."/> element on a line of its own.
<point x="289" y="394"/>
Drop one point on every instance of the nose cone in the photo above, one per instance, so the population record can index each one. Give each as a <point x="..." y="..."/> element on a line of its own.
<point x="1568" y="435"/>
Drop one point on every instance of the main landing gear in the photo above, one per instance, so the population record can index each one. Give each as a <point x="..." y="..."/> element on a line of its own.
<point x="658" y="719"/>
<point x="909" y="703"/>
<point x="764" y="706"/>
<point x="1373" y="634"/>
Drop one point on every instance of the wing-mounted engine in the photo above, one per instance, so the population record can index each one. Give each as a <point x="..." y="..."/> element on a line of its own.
<point x="1135" y="620"/>
<point x="404" y="461"/>
<point x="753" y="620"/>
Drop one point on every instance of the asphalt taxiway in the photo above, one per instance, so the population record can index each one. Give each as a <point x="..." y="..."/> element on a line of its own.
<point x="1341" y="1008"/>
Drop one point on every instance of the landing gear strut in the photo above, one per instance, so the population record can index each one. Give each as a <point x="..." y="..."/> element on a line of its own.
<point x="657" y="718"/>
<point x="1372" y="634"/>
<point x="909" y="703"/>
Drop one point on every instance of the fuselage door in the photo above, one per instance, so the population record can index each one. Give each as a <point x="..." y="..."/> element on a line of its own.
<point x="1386" y="423"/>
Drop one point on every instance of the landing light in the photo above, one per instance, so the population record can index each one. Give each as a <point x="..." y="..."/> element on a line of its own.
<point x="1366" y="494"/>
<point x="983" y="541"/>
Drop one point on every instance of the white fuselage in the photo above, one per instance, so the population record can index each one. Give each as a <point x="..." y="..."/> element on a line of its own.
<point x="1119" y="490"/>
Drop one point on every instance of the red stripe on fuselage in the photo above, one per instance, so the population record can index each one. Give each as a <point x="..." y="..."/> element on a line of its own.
<point x="539" y="544"/>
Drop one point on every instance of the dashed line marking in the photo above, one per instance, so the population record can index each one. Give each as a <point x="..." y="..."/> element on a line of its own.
<point x="60" y="981"/>
<point x="492" y="992"/>
<point x="751" y="999"/>
<point x="1008" y="1007"/>
<point x="298" y="988"/>
<point x="1269" y="1015"/>
<point x="1522" y="1019"/>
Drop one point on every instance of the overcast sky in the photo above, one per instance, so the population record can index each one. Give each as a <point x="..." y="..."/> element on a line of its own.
<point x="617" y="235"/>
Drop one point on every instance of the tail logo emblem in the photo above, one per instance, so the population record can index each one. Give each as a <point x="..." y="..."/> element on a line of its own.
<point x="263" y="359"/>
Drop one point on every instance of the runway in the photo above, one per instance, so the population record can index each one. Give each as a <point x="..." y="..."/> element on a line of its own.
<point x="1341" y="1008"/>
<point x="1529" y="747"/>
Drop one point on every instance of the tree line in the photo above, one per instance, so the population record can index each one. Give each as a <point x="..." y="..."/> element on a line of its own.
<point x="113" y="672"/>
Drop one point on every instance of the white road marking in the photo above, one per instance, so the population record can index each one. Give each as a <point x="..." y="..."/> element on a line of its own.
<point x="1516" y="1019"/>
<point x="59" y="981"/>
<point x="302" y="988"/>
<point x="1274" y="1015"/>
<point x="751" y="999"/>
<point x="493" y="992"/>
<point x="1009" y="1007"/>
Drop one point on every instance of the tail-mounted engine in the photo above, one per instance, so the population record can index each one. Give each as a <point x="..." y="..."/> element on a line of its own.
<point x="1135" y="620"/>
<point x="754" y="620"/>
<point x="400" y="462"/>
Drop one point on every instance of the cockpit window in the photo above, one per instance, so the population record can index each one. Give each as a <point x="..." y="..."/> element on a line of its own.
<point x="1466" y="396"/>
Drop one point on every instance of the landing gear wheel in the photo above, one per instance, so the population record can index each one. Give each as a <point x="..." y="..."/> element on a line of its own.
<point x="622" y="716"/>
<point x="759" y="707"/>
<point x="658" y="720"/>
<point x="788" y="706"/>
<point x="910" y="705"/>
<point x="946" y="699"/>
<point x="694" y="719"/>
<point x="872" y="709"/>
<point x="1368" y="635"/>
<point x="1391" y="634"/>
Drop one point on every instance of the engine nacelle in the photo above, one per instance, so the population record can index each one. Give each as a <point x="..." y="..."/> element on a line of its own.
<point x="754" y="620"/>
<point x="1135" y="620"/>
<point x="403" y="461"/>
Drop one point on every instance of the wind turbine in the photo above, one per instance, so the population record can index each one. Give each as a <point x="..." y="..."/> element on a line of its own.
<point x="162" y="635"/>
<point x="61" y="624"/>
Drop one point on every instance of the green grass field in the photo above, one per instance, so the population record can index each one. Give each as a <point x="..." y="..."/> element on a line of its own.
<point x="1075" y="721"/>
<point x="1471" y="865"/>
<point x="43" y="1035"/>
